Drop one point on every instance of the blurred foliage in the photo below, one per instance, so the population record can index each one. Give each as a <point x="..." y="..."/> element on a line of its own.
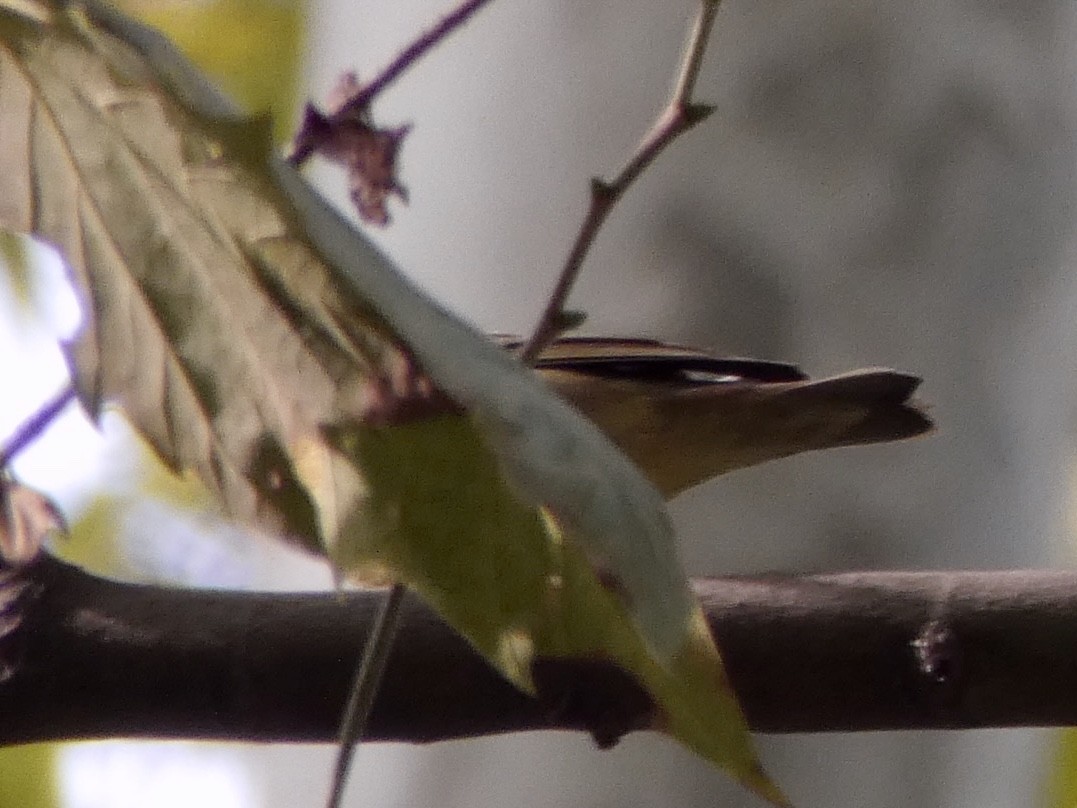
<point x="1062" y="778"/>
<point x="253" y="48"/>
<point x="93" y="543"/>
<point x="28" y="776"/>
<point x="16" y="265"/>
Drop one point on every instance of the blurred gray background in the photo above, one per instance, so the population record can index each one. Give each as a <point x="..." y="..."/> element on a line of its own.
<point x="882" y="184"/>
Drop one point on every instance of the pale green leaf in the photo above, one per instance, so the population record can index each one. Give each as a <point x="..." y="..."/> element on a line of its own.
<point x="255" y="338"/>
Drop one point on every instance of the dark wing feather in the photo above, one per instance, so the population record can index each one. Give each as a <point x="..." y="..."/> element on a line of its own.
<point x="644" y="360"/>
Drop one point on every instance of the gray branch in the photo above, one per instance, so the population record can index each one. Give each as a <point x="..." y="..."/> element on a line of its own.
<point x="85" y="657"/>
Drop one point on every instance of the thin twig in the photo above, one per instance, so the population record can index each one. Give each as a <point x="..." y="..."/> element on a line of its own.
<point x="425" y="42"/>
<point x="697" y="46"/>
<point x="415" y="51"/>
<point x="679" y="116"/>
<point x="365" y="688"/>
<point x="37" y="423"/>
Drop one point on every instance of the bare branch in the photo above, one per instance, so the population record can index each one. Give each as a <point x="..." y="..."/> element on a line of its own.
<point x="416" y="50"/>
<point x="35" y="425"/>
<point x="678" y="117"/>
<point x="855" y="651"/>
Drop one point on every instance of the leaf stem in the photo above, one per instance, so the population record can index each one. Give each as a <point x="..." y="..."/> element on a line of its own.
<point x="365" y="688"/>
<point x="35" y="425"/>
<point x="679" y="115"/>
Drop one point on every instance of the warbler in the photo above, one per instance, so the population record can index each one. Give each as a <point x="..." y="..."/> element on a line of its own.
<point x="685" y="416"/>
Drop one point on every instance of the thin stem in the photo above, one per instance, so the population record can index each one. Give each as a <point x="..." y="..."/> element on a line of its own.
<point x="415" y="51"/>
<point x="679" y="116"/>
<point x="423" y="44"/>
<point x="365" y="688"/>
<point x="37" y="423"/>
<point x="696" y="47"/>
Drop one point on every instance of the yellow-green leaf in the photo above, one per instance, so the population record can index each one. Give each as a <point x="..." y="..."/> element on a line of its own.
<point x="28" y="776"/>
<point x="255" y="338"/>
<point x="253" y="47"/>
<point x="16" y="265"/>
<point x="1061" y="786"/>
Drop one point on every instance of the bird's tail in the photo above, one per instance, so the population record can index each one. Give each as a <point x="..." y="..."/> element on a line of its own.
<point x="745" y="423"/>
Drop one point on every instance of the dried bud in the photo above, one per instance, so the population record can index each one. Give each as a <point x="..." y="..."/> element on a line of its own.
<point x="347" y="135"/>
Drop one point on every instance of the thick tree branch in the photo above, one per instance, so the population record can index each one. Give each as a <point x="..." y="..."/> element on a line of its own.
<point x="857" y="651"/>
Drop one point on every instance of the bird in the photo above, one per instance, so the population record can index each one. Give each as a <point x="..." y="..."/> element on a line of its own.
<point x="684" y="415"/>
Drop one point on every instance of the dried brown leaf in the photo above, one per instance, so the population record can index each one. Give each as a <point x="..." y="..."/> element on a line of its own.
<point x="349" y="137"/>
<point x="27" y="519"/>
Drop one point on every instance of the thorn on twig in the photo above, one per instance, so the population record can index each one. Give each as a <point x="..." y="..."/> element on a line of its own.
<point x="601" y="191"/>
<point x="697" y="113"/>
